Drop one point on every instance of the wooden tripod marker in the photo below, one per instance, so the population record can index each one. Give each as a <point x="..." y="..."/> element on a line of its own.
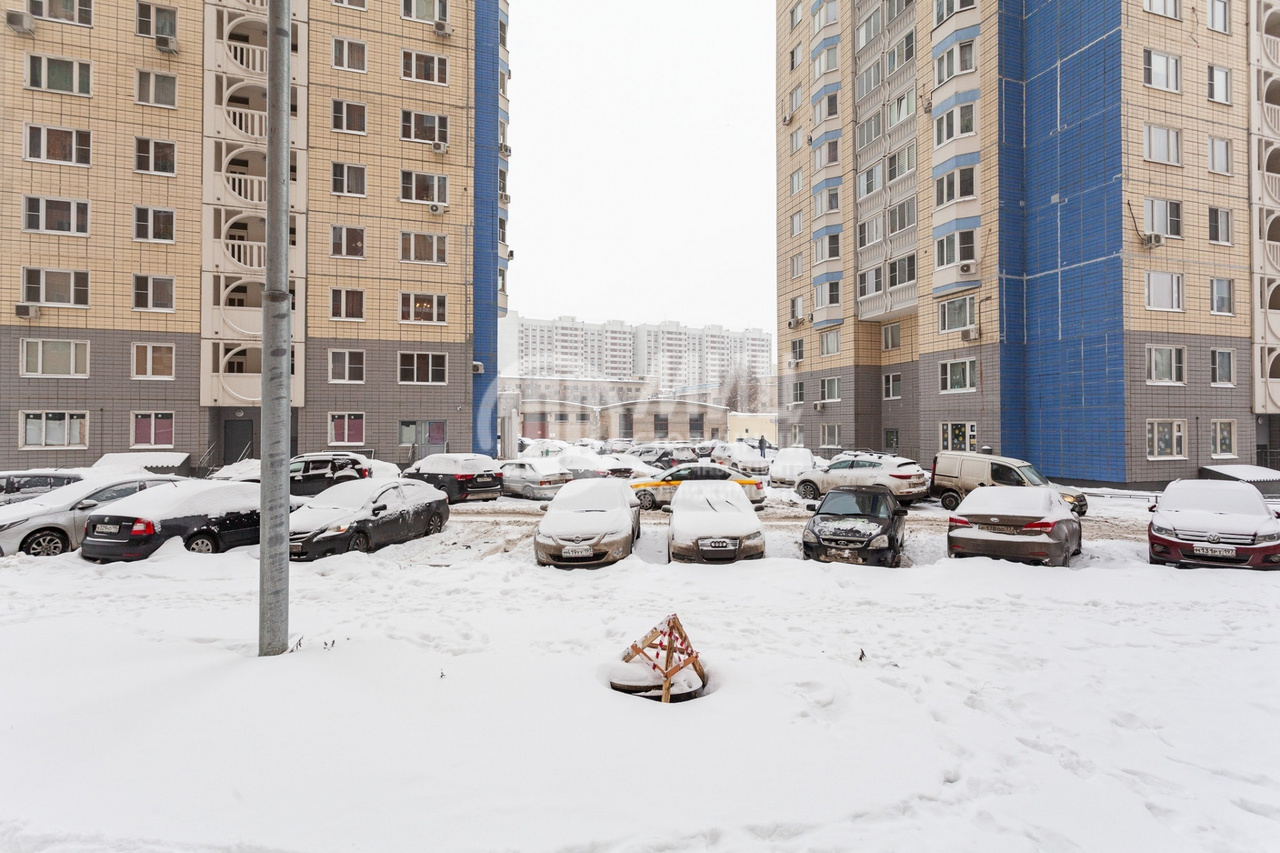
<point x="667" y="636"/>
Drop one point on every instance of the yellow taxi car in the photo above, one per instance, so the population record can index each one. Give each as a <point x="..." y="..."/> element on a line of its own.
<point x="653" y="492"/>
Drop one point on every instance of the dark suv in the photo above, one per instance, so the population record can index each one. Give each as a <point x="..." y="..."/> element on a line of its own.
<point x="312" y="473"/>
<point x="461" y="476"/>
<point x="856" y="524"/>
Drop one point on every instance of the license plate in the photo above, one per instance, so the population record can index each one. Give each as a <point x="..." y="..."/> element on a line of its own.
<point x="295" y="549"/>
<point x="1007" y="530"/>
<point x="106" y="528"/>
<point x="917" y="479"/>
<point x="849" y="556"/>
<point x="571" y="551"/>
<point x="1213" y="550"/>
<point x="483" y="478"/>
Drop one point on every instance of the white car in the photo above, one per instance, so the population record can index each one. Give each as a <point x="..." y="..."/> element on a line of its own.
<point x="534" y="478"/>
<point x="745" y="457"/>
<point x="791" y="462"/>
<point x="53" y="523"/>
<point x="544" y="447"/>
<point x="588" y="523"/>
<point x="637" y="468"/>
<point x="713" y="522"/>
<point x="900" y="475"/>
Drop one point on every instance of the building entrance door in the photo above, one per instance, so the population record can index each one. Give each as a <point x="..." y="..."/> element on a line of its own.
<point x="237" y="441"/>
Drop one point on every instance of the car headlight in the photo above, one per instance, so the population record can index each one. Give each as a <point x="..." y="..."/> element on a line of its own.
<point x="1069" y="498"/>
<point x="9" y="524"/>
<point x="809" y="536"/>
<point x="753" y="537"/>
<point x="1161" y="531"/>
<point x="335" y="530"/>
<point x="543" y="539"/>
<point x="880" y="541"/>
<point x="1267" y="537"/>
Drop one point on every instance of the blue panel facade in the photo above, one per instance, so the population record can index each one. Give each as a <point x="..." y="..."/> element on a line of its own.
<point x="484" y="386"/>
<point x="1061" y="229"/>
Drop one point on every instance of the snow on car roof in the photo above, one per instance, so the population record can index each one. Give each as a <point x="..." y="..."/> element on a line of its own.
<point x="596" y="494"/>
<point x="710" y="495"/>
<point x="242" y="470"/>
<point x="1247" y="473"/>
<point x="68" y="494"/>
<point x="188" y="497"/>
<point x="1224" y="496"/>
<point x="546" y="465"/>
<point x="449" y="463"/>
<point x="1010" y="500"/>
<point x="145" y="459"/>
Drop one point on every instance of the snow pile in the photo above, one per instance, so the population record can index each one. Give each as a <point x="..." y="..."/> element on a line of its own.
<point x="143" y="459"/>
<point x="245" y="469"/>
<point x="453" y="463"/>
<point x="183" y="498"/>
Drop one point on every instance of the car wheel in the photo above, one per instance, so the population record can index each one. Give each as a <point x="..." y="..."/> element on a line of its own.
<point x="360" y="542"/>
<point x="46" y="543"/>
<point x="1065" y="562"/>
<point x="202" y="543"/>
<point x="434" y="524"/>
<point x="528" y="492"/>
<point x="807" y="491"/>
<point x="647" y="500"/>
<point x="950" y="500"/>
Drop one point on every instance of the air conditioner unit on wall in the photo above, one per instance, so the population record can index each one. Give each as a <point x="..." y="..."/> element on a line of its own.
<point x="443" y="28"/>
<point x="793" y="322"/>
<point x="27" y="312"/>
<point x="504" y="149"/>
<point x="819" y="406"/>
<point x="968" y="267"/>
<point x="504" y="198"/>
<point x="786" y="119"/>
<point x="166" y="44"/>
<point x="439" y="147"/>
<point x="437" y="208"/>
<point x="970" y="334"/>
<point x="1153" y="241"/>
<point x="22" y="23"/>
<point x="791" y="364"/>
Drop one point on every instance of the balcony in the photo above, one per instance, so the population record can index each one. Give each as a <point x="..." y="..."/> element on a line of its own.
<point x="1271" y="47"/>
<point x="1266" y="383"/>
<point x="239" y="246"/>
<point x="1266" y="318"/>
<point x="233" y="308"/>
<point x="502" y="303"/>
<point x="231" y="374"/>
<point x="888" y="304"/>
<point x="827" y="314"/>
<point x="1272" y="112"/>
<point x="246" y="58"/>
<point x="238" y="111"/>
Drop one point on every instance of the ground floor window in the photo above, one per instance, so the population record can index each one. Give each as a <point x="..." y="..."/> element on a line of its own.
<point x="55" y="429"/>
<point x="797" y="435"/>
<point x="1223" y="438"/>
<point x="346" y="428"/>
<point x="1165" y="439"/>
<point x="626" y="425"/>
<point x="960" y="435"/>
<point x="660" y="426"/>
<point x="891" y="441"/>
<point x="830" y="435"/>
<point x="696" y="425"/>
<point x="152" y="429"/>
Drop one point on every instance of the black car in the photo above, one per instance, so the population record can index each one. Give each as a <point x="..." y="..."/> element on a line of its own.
<point x="312" y="473"/>
<point x="461" y="476"/>
<point x="207" y="515"/>
<point x="856" y="524"/>
<point x="363" y="515"/>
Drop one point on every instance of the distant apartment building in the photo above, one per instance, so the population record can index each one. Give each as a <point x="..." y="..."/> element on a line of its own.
<point x="133" y="204"/>
<point x="1048" y="228"/>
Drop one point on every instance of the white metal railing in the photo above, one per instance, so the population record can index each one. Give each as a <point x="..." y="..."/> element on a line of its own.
<point x="1273" y="185"/>
<point x="255" y="4"/>
<point x="247" y="254"/>
<point x="1273" y="254"/>
<point x="1273" y="116"/>
<point x="249" y="122"/>
<point x="248" y="187"/>
<point x="1271" y="45"/>
<point x="248" y="56"/>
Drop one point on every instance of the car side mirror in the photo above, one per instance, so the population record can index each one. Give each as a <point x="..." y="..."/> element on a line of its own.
<point x="759" y="507"/>
<point x="86" y="504"/>
<point x="379" y="509"/>
<point x="902" y="510"/>
<point x="666" y="507"/>
<point x="1152" y="508"/>
<point x="811" y="507"/>
<point x="544" y="507"/>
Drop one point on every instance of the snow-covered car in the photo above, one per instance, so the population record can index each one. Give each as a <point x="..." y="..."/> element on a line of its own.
<point x="534" y="478"/>
<point x="745" y="457"/>
<point x="461" y="476"/>
<point x="653" y="492"/>
<point x="589" y="523"/>
<point x="617" y="445"/>
<point x="53" y="523"/>
<point x="790" y="463"/>
<point x="209" y="516"/>
<point x="582" y="464"/>
<point x="1213" y="523"/>
<point x="898" y="474"/>
<point x="856" y="524"/>
<point x="361" y="515"/>
<point x="19" y="486"/>
<point x="312" y="473"/>
<point x="244" y="471"/>
<point x="632" y="465"/>
<point x="713" y="522"/>
<point x="543" y="447"/>
<point x="1027" y="524"/>
<point x="663" y="457"/>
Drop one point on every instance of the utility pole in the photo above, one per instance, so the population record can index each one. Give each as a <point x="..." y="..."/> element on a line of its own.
<point x="273" y="567"/>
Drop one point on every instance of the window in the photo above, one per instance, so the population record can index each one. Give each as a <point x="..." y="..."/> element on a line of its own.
<point x="424" y="67"/>
<point x="902" y="162"/>
<point x="797" y="349"/>
<point x="424" y="188"/>
<point x="348" y="116"/>
<point x="1221" y="296"/>
<point x="422" y="308"/>
<point x="829" y="342"/>
<point x="958" y="184"/>
<point x="1219" y="84"/>
<point x="870" y="180"/>
<point x="55" y="287"/>
<point x="1160" y="70"/>
<point x="346" y="366"/>
<point x="797" y="224"/>
<point x="954" y="122"/>
<point x="946" y="8"/>
<point x="349" y="55"/>
<point x="346" y="242"/>
<point x="697" y="423"/>
<point x="867" y="30"/>
<point x="1164" y="291"/>
<point x="870" y="232"/>
<point x="70" y="11"/>
<point x="896" y="8"/>
<point x="870" y="281"/>
<point x="68" y="76"/>
<point x="797" y="266"/>
<point x="868" y="80"/>
<point x="797" y="392"/>
<point x="502" y="230"/>
<point x="831" y="389"/>
<point x="957" y="314"/>
<point x="830" y="435"/>
<point x="346" y="428"/>
<point x="890" y="336"/>
<point x="423" y="368"/>
<point x="902" y="216"/>
<point x="152" y="293"/>
<point x="1219" y="225"/>
<point x="958" y="59"/>
<point x="797" y="12"/>
<point x="153" y="361"/>
<point x="902" y="271"/>
<point x="153" y="20"/>
<point x="797" y="98"/>
<point x="433" y="10"/>
<point x="1219" y="15"/>
<point x="1168" y="8"/>
<point x="797" y="181"/>
<point x="63" y="359"/>
<point x="825" y="201"/>
<point x="153" y="224"/>
<point x="796" y="136"/>
<point x="1222" y="367"/>
<point x="58" y="145"/>
<point x="1166" y="365"/>
<point x="959" y="435"/>
<point x="661" y="426"/>
<point x="55" y="429"/>
<point x="154" y="157"/>
<point x="420" y="248"/>
<point x="1220" y="155"/>
<point x="797" y="435"/>
<point x="958" y="375"/>
<point x="152" y="429"/>
<point x="797" y="307"/>
<point x="826" y="60"/>
<point x="892" y="386"/>
<point x="826" y="154"/>
<point x="827" y="294"/>
<point x="795" y="57"/>
<point x="157" y="90"/>
<point x="348" y="179"/>
<point x="1165" y="439"/>
<point x="1222" y="436"/>
<point x="869" y="131"/>
<point x="902" y="52"/>
<point x="1162" y="144"/>
<point x="346" y="304"/>
<point x="826" y="248"/>
<point x="902" y="107"/>
<point x="955" y="247"/>
<point x="891" y="441"/>
<point x="55" y="215"/>
<point x="1161" y="216"/>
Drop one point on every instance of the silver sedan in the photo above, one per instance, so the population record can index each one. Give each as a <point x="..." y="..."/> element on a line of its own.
<point x="53" y="523"/>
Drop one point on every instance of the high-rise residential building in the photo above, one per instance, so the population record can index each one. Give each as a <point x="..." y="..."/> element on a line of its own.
<point x="1056" y="239"/>
<point x="672" y="356"/>
<point x="133" y="201"/>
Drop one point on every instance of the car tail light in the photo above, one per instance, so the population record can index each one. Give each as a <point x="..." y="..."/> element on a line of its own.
<point x="902" y="476"/>
<point x="365" y="472"/>
<point x="464" y="476"/>
<point x="759" y="485"/>
<point x="1039" y="526"/>
<point x="142" y="528"/>
<point x="957" y="521"/>
<point x="497" y="475"/>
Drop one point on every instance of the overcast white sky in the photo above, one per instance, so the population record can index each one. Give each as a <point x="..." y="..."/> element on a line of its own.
<point x="642" y="173"/>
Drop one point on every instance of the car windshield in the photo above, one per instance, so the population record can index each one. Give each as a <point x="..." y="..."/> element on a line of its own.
<point x="1033" y="476"/>
<point x="352" y="495"/>
<point x="851" y="503"/>
<point x="1222" y="501"/>
<point x="588" y="500"/>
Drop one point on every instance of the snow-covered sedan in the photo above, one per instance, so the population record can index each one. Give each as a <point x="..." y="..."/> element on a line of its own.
<point x="856" y="524"/>
<point x="713" y="522"/>
<point x="745" y="457"/>
<point x="207" y="515"/>
<point x="1213" y="523"/>
<point x="790" y="463"/>
<point x="534" y="478"/>
<point x="898" y="474"/>
<point x="589" y="523"/>
<point x="1031" y="524"/>
<point x="658" y="491"/>
<point x="361" y="515"/>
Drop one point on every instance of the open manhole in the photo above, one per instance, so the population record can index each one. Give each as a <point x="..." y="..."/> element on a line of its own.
<point x="662" y="666"/>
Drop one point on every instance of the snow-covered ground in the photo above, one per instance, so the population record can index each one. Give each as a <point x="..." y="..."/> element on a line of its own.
<point x="450" y="695"/>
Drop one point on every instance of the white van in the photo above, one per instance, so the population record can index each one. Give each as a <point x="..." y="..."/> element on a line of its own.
<point x="956" y="473"/>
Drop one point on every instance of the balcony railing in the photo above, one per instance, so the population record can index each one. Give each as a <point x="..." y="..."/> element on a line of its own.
<point x="248" y="187"/>
<point x="1273" y="186"/>
<point x="248" y="56"/>
<point x="247" y="254"/>
<point x="887" y="304"/>
<point x="249" y="122"/>
<point x="1273" y="116"/>
<point x="1271" y="45"/>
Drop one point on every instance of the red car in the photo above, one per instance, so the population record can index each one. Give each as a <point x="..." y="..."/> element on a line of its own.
<point x="1213" y="523"/>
